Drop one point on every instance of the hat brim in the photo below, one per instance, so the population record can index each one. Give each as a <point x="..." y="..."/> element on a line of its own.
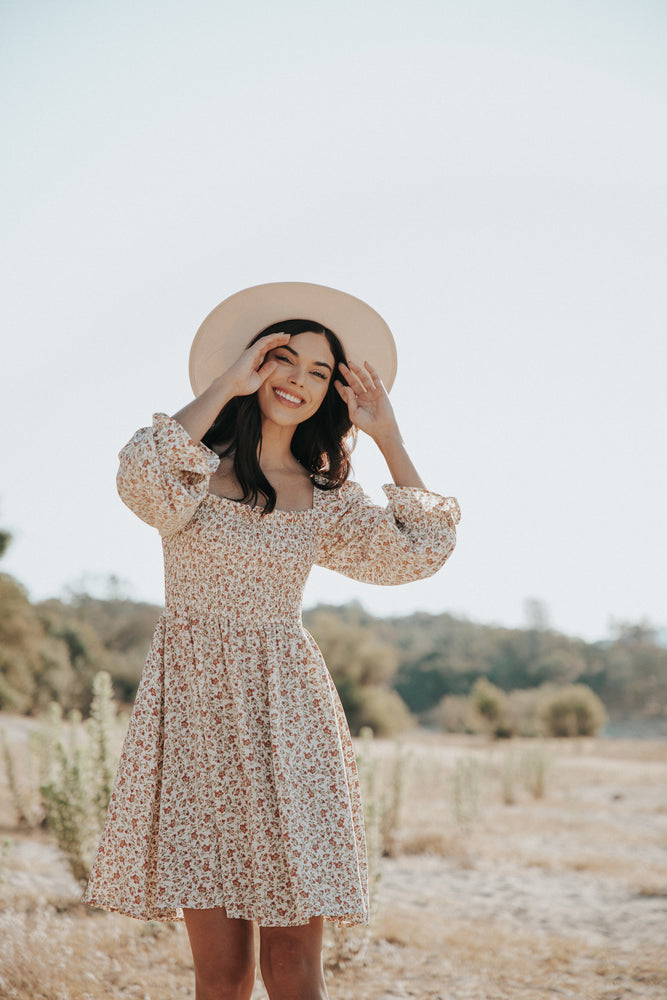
<point x="226" y="331"/>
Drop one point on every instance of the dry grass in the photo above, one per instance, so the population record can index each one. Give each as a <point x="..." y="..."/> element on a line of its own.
<point x="49" y="955"/>
<point x="562" y="896"/>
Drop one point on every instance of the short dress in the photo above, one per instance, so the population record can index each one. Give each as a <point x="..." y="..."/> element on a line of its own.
<point x="237" y="785"/>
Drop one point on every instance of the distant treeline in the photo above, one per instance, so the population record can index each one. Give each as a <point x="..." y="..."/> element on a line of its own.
<point x="389" y="671"/>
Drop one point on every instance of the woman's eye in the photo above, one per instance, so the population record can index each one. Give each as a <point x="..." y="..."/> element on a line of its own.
<point x="283" y="357"/>
<point x="320" y="375"/>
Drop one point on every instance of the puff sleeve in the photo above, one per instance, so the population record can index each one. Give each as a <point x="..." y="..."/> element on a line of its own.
<point x="163" y="475"/>
<point x="409" y="539"/>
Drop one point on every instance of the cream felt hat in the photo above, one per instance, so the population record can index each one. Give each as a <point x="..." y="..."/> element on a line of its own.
<point x="226" y="331"/>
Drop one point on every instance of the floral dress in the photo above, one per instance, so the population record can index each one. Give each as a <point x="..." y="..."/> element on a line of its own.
<point x="237" y="785"/>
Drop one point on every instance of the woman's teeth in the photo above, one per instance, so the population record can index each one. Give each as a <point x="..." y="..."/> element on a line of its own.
<point x="287" y="396"/>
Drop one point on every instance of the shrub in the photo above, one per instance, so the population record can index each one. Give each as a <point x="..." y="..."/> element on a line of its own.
<point x="488" y="699"/>
<point x="78" y="785"/>
<point x="65" y="795"/>
<point x="455" y="714"/>
<point x="24" y="781"/>
<point x="521" y="711"/>
<point x="383" y="710"/>
<point x="574" y="710"/>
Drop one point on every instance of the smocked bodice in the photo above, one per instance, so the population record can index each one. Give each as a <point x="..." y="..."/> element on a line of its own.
<point x="233" y="562"/>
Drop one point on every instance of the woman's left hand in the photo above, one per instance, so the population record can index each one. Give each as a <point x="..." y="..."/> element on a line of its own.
<point x="367" y="401"/>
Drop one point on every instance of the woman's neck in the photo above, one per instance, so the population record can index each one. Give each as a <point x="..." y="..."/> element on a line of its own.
<point x="276" y="450"/>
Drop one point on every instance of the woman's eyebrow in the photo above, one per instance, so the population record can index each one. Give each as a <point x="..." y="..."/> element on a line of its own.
<point x="322" y="364"/>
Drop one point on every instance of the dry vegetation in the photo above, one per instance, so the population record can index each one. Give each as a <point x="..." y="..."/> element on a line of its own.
<point x="513" y="870"/>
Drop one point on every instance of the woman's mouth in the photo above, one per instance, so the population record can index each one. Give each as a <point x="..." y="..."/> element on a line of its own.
<point x="288" y="398"/>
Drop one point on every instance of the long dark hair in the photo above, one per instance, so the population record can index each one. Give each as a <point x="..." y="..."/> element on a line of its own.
<point x="322" y="444"/>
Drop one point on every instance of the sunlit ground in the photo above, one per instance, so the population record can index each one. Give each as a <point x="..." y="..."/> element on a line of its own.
<point x="488" y="891"/>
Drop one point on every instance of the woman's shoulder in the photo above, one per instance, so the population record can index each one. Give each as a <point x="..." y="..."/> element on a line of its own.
<point x="338" y="499"/>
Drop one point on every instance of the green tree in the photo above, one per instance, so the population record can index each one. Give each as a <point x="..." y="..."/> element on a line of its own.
<point x="361" y="665"/>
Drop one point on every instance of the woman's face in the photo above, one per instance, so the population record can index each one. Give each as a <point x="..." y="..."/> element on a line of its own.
<point x="297" y="388"/>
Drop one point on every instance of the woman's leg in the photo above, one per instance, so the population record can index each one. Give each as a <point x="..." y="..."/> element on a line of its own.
<point x="291" y="961"/>
<point x="223" y="953"/>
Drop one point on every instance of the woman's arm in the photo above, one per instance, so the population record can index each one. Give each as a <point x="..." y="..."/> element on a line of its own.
<point x="371" y="411"/>
<point x="401" y="469"/>
<point x="197" y="416"/>
<point x="244" y="377"/>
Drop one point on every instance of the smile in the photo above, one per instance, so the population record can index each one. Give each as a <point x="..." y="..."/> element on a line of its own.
<point x="288" y="397"/>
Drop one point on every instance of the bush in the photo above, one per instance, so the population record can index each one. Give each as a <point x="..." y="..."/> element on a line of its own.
<point x="383" y="710"/>
<point x="522" y="711"/>
<point x="574" y="710"/>
<point x="455" y="714"/>
<point x="488" y="699"/>
<point x="492" y="704"/>
<point x="78" y="786"/>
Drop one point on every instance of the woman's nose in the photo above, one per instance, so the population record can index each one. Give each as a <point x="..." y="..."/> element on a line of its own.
<point x="296" y="376"/>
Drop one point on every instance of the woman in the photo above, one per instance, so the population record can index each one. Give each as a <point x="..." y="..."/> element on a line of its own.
<point x="237" y="796"/>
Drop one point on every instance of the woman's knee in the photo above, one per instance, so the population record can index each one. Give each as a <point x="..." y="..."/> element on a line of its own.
<point x="223" y="955"/>
<point x="284" y="955"/>
<point x="291" y="961"/>
<point x="224" y="977"/>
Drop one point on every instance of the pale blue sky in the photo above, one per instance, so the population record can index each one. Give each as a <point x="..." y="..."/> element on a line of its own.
<point x="488" y="176"/>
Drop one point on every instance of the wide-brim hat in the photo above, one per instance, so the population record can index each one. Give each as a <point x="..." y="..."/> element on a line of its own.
<point x="226" y="331"/>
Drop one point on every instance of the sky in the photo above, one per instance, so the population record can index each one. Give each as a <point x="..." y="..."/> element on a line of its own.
<point x="489" y="176"/>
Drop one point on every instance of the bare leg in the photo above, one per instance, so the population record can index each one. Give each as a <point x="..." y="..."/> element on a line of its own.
<point x="291" y="961"/>
<point x="223" y="954"/>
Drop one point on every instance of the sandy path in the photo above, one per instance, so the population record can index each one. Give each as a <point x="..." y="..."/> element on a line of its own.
<point x="599" y="911"/>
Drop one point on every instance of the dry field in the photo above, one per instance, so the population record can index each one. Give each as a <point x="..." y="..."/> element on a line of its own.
<point x="488" y="892"/>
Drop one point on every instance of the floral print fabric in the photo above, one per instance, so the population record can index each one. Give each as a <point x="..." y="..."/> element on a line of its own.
<point x="237" y="785"/>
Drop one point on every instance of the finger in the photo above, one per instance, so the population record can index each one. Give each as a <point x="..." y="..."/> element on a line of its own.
<point x="266" y="369"/>
<point x="353" y="376"/>
<point x="344" y="390"/>
<point x="346" y="394"/>
<point x="272" y="336"/>
<point x="365" y="377"/>
<point x="375" y="378"/>
<point x="266" y="344"/>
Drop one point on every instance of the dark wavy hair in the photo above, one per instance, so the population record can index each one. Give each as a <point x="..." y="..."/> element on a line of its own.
<point x="322" y="444"/>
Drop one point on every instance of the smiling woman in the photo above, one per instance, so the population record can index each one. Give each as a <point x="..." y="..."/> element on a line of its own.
<point x="299" y="394"/>
<point x="237" y="795"/>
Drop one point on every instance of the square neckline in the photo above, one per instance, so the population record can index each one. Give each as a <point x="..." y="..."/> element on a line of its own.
<point x="276" y="510"/>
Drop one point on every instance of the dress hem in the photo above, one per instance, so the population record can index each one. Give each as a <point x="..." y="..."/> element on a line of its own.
<point x="175" y="915"/>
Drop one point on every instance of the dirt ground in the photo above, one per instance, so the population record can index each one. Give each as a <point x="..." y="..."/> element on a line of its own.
<point x="487" y="890"/>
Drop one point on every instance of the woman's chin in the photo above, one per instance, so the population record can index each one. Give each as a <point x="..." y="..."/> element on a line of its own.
<point x="285" y="416"/>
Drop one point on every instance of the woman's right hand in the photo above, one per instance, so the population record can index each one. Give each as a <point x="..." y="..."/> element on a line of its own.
<point x="243" y="378"/>
<point x="251" y="370"/>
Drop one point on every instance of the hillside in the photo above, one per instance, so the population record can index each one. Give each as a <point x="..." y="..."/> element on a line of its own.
<point x="393" y="670"/>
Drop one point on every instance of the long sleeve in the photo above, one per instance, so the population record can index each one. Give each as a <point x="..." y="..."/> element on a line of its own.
<point x="409" y="539"/>
<point x="163" y="475"/>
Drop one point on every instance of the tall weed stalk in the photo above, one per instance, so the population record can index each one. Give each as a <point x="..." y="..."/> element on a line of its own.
<point x="78" y="782"/>
<point x="466" y="793"/>
<point x="382" y="797"/>
<point x="24" y="782"/>
<point x="6" y="851"/>
<point x="535" y="766"/>
<point x="510" y="776"/>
